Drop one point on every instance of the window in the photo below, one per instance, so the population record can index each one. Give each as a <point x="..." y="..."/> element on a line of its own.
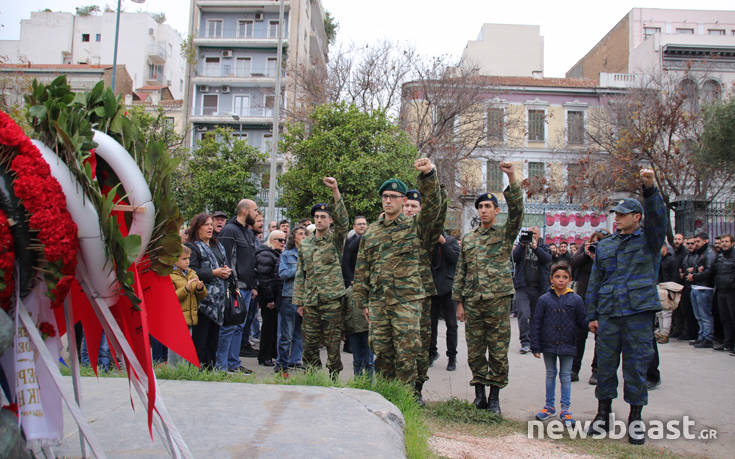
<point x="273" y="29"/>
<point x="495" y="124"/>
<point x="536" y="170"/>
<point x="575" y="127"/>
<point x="268" y="106"/>
<point x="270" y="67"/>
<point x="683" y="31"/>
<point x="494" y="176"/>
<point x="711" y="91"/>
<point x="168" y="120"/>
<point x="536" y="128"/>
<point x="243" y="66"/>
<point x="85" y="37"/>
<point x="688" y="90"/>
<point x="155" y="72"/>
<point x="244" y="29"/>
<point x="214" y="28"/>
<point x="241" y="105"/>
<point x="211" y="66"/>
<point x="267" y="143"/>
<point x="209" y="104"/>
<point x="574" y="173"/>
<point x="716" y="31"/>
<point x="98" y="37"/>
<point x="649" y="31"/>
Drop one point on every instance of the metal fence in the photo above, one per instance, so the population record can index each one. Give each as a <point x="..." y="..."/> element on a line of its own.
<point x="714" y="218"/>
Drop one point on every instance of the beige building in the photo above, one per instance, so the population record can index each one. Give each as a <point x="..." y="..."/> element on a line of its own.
<point x="506" y="50"/>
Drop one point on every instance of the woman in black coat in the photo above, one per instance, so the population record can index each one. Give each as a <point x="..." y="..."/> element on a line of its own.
<point x="267" y="258"/>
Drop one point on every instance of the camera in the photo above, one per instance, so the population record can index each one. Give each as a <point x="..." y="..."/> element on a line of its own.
<point x="525" y="237"/>
<point x="592" y="247"/>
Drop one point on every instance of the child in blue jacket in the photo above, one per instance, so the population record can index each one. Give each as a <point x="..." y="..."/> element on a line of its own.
<point x="559" y="313"/>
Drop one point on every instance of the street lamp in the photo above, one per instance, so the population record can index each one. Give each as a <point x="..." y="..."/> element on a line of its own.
<point x="117" y="32"/>
<point x="236" y="117"/>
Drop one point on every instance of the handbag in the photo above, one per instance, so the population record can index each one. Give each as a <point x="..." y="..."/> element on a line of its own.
<point x="236" y="310"/>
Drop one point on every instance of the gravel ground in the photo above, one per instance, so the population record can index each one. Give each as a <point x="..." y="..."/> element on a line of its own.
<point x="457" y="446"/>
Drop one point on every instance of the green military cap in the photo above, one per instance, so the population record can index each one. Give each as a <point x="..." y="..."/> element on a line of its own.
<point x="414" y="195"/>
<point x="321" y="207"/>
<point x="393" y="185"/>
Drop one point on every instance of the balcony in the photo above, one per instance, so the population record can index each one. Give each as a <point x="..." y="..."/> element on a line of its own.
<point x="259" y="76"/>
<point x="255" y="115"/>
<point x="155" y="79"/>
<point x="156" y="53"/>
<point x="237" y="42"/>
<point x="619" y="80"/>
<point x="236" y="6"/>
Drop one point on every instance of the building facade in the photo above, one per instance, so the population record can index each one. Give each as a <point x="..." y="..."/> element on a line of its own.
<point x="697" y="44"/>
<point x="539" y="124"/>
<point x="232" y="72"/>
<point x="506" y="50"/>
<point x="150" y="51"/>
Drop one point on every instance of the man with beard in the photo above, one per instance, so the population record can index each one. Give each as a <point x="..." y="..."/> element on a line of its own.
<point x="701" y="278"/>
<point x="238" y="237"/>
<point x="725" y="286"/>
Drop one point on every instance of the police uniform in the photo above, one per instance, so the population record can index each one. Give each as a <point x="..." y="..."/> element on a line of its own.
<point x="388" y="282"/>
<point x="623" y="298"/>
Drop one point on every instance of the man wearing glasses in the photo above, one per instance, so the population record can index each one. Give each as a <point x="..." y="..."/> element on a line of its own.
<point x="318" y="286"/>
<point x="388" y="285"/>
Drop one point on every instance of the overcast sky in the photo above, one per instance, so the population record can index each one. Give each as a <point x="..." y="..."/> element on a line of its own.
<point x="570" y="28"/>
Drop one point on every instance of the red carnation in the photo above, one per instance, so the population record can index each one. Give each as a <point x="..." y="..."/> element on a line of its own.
<point x="46" y="329"/>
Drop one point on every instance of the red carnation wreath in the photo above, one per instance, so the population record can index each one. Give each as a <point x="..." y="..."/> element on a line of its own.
<point x="45" y="205"/>
<point x="7" y="260"/>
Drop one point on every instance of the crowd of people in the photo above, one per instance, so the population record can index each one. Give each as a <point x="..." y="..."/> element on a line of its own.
<point x="382" y="288"/>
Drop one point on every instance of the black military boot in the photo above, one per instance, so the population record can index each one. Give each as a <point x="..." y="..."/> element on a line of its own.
<point x="638" y="435"/>
<point x="601" y="422"/>
<point x="480" y="401"/>
<point x="493" y="400"/>
<point x="417" y="390"/>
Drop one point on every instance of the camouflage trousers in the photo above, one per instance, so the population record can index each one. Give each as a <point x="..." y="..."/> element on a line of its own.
<point x="631" y="336"/>
<point x="487" y="333"/>
<point x="422" y="358"/>
<point x="322" y="325"/>
<point x="394" y="338"/>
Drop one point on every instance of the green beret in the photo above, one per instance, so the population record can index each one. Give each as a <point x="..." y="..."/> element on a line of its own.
<point x="393" y="185"/>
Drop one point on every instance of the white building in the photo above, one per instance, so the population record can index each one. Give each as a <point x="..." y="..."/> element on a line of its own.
<point x="506" y="50"/>
<point x="150" y="51"/>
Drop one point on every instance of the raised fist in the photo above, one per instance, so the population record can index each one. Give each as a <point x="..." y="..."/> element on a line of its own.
<point x="331" y="182"/>
<point x="647" y="177"/>
<point x="423" y="165"/>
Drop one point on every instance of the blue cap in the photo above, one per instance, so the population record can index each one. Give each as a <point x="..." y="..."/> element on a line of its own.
<point x="413" y="195"/>
<point x="486" y="197"/>
<point x="627" y="206"/>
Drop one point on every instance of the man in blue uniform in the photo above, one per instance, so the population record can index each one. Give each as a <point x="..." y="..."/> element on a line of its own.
<point x="622" y="301"/>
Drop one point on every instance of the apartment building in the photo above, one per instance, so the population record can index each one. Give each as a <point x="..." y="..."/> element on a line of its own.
<point x="232" y="74"/>
<point x="150" y="51"/>
<point x="506" y="50"/>
<point x="697" y="45"/>
<point x="537" y="123"/>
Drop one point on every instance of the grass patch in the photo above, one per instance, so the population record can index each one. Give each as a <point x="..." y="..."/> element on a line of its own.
<point x="462" y="412"/>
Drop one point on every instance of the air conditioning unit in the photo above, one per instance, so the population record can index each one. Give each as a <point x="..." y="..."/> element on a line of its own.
<point x="226" y="53"/>
<point x="258" y="16"/>
<point x="225" y="89"/>
<point x="203" y="88"/>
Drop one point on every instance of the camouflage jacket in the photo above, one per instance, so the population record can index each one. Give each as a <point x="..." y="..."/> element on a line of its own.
<point x="391" y="254"/>
<point x="625" y="270"/>
<point x="319" y="270"/>
<point x="427" y="278"/>
<point x="483" y="268"/>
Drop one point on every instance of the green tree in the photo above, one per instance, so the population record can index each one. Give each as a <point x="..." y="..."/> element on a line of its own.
<point x="87" y="10"/>
<point x="718" y="138"/>
<point x="218" y="174"/>
<point x="360" y="150"/>
<point x="330" y="27"/>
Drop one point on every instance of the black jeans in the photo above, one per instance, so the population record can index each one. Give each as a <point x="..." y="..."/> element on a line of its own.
<point x="268" y="333"/>
<point x="445" y="306"/>
<point x="205" y="336"/>
<point x="726" y="306"/>
<point x="252" y="311"/>
<point x="525" y="305"/>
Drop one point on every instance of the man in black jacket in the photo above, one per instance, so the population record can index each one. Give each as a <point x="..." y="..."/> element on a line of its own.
<point x="701" y="277"/>
<point x="530" y="280"/>
<point x="725" y="287"/>
<point x="352" y="244"/>
<point x="443" y="265"/>
<point x="238" y="237"/>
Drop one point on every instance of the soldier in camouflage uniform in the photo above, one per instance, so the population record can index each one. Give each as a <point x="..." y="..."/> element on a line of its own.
<point x="388" y="286"/>
<point x="483" y="287"/>
<point x="412" y="207"/>
<point x="622" y="300"/>
<point x="318" y="286"/>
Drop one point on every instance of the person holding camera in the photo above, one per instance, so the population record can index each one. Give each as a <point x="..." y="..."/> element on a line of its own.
<point x="532" y="260"/>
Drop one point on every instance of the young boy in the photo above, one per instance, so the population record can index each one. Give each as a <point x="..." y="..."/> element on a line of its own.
<point x="558" y="316"/>
<point x="189" y="290"/>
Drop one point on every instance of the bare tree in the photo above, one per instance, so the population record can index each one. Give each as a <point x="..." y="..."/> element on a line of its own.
<point x="659" y="125"/>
